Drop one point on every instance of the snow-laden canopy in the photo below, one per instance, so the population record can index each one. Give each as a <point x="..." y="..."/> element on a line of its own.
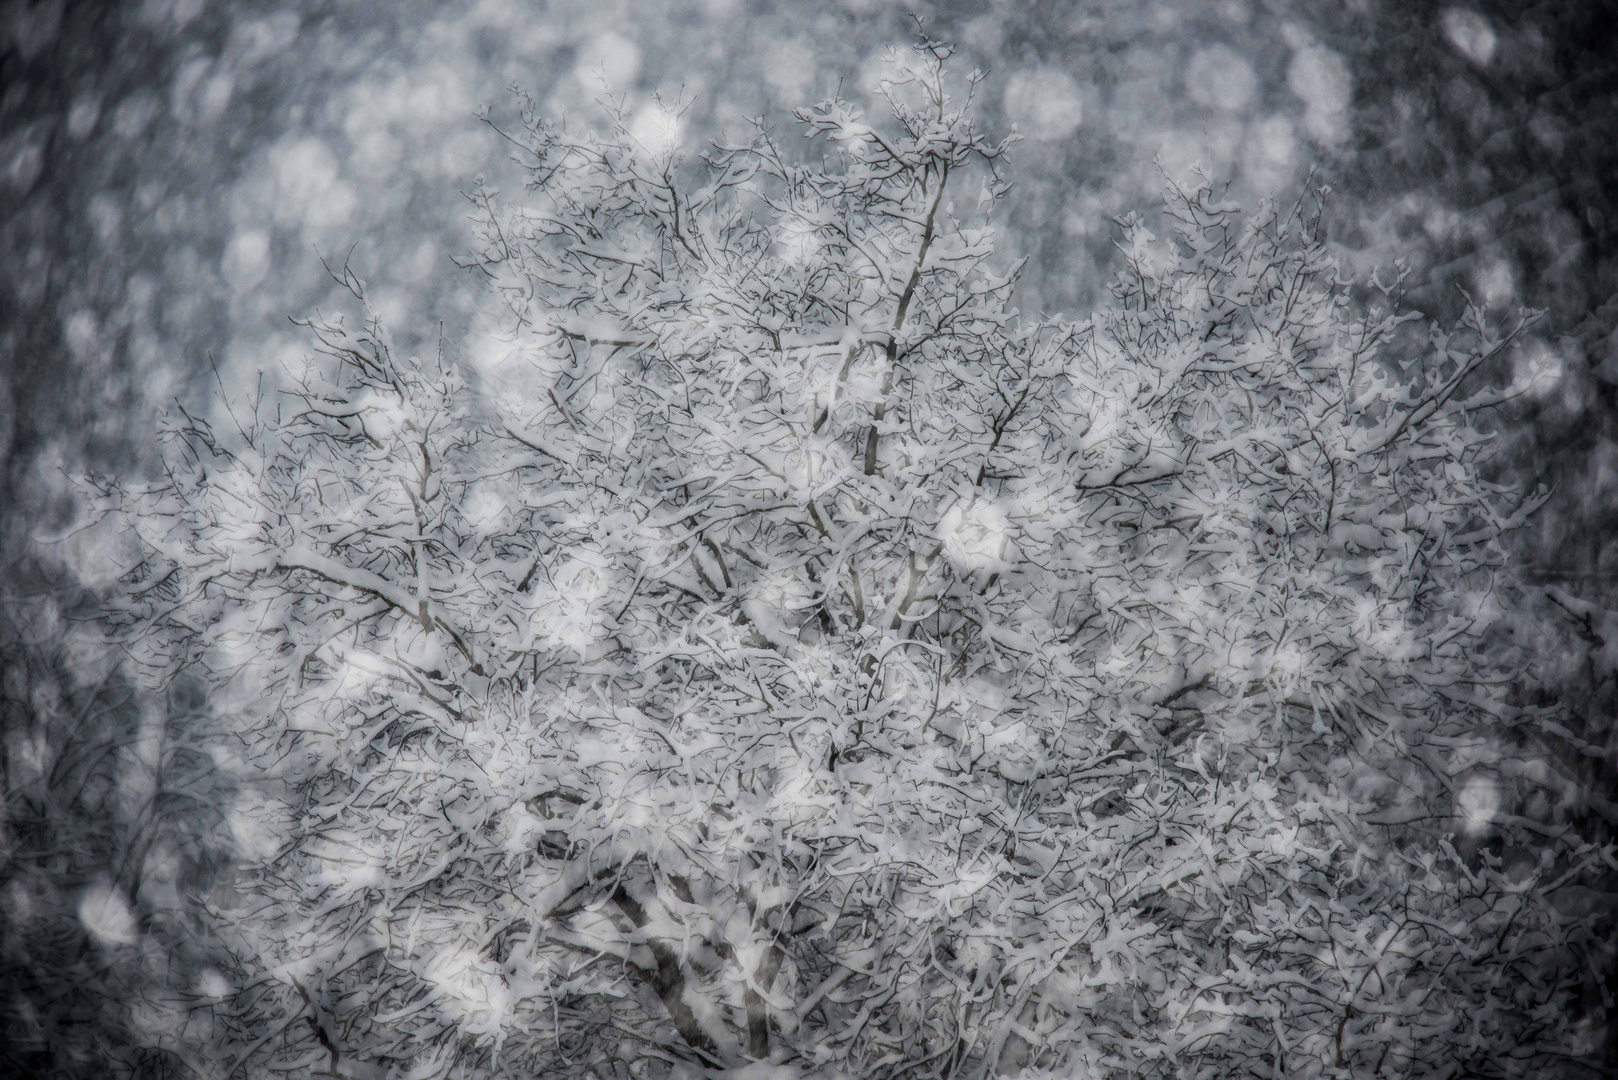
<point x="783" y="650"/>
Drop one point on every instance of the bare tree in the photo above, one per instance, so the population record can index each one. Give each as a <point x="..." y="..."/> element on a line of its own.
<point x="783" y="654"/>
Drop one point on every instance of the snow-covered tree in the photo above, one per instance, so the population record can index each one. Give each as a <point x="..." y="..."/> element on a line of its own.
<point x="782" y="655"/>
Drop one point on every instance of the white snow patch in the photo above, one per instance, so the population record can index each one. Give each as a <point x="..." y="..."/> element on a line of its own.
<point x="82" y="116"/>
<point x="1470" y="34"/>
<point x="1219" y="78"/>
<point x="610" y="57"/>
<point x="1321" y="80"/>
<point x="976" y="537"/>
<point x="1477" y="804"/>
<point x="247" y="259"/>
<point x="657" y="128"/>
<point x="789" y="69"/>
<point x="309" y="191"/>
<point x="106" y="915"/>
<point x="1044" y="104"/>
<point x="1271" y="156"/>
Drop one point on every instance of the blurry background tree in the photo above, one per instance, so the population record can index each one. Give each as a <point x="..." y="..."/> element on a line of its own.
<point x="112" y="826"/>
<point x="780" y="650"/>
<point x="1486" y="142"/>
